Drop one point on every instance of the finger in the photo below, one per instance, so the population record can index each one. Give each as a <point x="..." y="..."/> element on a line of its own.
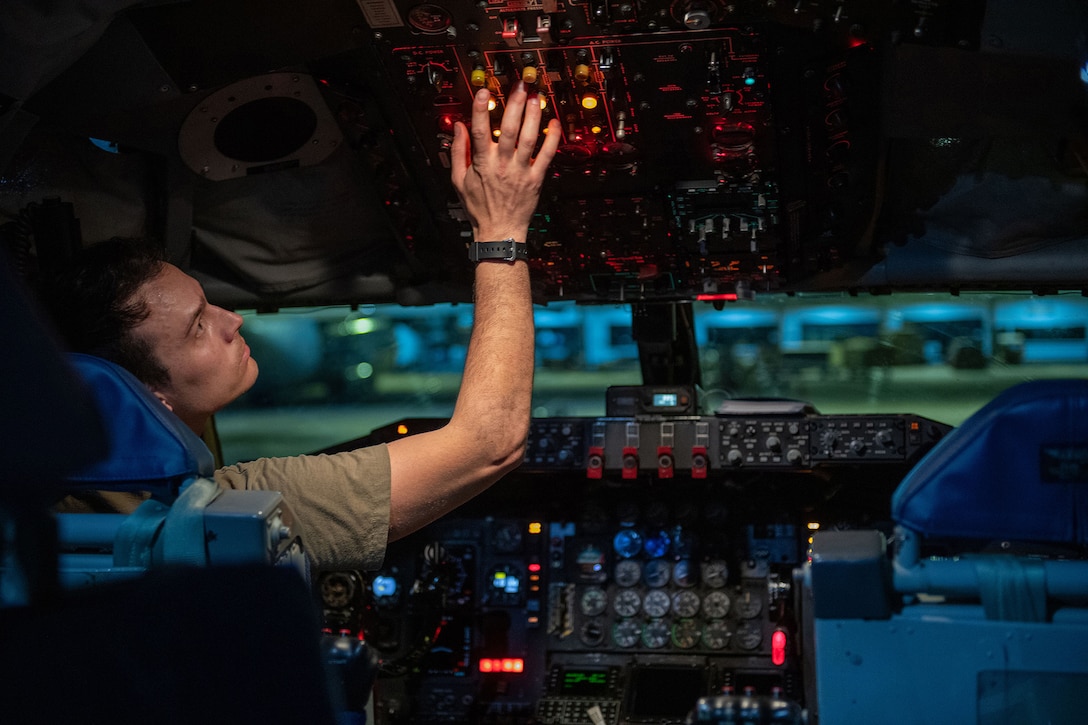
<point x="547" y="149"/>
<point x="530" y="127"/>
<point x="481" y="121"/>
<point x="511" y="118"/>
<point x="459" y="154"/>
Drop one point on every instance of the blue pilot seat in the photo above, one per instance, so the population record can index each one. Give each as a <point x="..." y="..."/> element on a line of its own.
<point x="977" y="609"/>
<point x="187" y="519"/>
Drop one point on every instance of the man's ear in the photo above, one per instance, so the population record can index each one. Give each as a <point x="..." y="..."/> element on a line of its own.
<point x="162" y="399"/>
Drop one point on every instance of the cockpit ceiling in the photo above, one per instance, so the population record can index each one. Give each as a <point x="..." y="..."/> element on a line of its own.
<point x="294" y="154"/>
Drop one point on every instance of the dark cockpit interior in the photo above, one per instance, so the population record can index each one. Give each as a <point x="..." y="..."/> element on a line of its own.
<point x="672" y="555"/>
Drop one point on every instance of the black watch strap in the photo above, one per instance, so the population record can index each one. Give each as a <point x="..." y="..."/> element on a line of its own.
<point x="507" y="250"/>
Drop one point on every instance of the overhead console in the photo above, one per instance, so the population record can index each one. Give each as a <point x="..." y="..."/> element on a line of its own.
<point x="708" y="149"/>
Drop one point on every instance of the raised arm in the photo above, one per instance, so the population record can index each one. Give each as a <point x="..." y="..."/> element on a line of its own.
<point x="499" y="184"/>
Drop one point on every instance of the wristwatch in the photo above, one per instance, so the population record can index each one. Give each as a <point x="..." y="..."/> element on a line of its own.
<point x="507" y="250"/>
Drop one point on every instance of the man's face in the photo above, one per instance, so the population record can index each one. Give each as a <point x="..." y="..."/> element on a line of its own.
<point x="198" y="343"/>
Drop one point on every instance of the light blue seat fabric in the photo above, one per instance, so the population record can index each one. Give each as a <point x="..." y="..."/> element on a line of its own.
<point x="1016" y="470"/>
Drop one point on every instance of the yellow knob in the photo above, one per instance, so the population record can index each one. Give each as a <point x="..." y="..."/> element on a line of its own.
<point x="528" y="74"/>
<point x="478" y="77"/>
<point x="581" y="72"/>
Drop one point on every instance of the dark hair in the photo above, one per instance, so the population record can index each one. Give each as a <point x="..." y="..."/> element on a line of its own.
<point x="93" y="304"/>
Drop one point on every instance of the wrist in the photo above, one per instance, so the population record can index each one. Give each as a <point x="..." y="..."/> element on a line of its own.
<point x="505" y="250"/>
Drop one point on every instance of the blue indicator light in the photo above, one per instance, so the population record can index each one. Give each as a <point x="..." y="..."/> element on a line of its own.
<point x="384" y="586"/>
<point x="627" y="543"/>
<point x="657" y="545"/>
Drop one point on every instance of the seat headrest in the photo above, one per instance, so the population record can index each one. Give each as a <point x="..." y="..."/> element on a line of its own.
<point x="150" y="448"/>
<point x="1015" y="470"/>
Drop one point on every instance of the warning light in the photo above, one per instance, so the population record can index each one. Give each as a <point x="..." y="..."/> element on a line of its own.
<point x="590" y="100"/>
<point x="402" y="429"/>
<point x="502" y="664"/>
<point x="492" y="104"/>
<point x="535" y="527"/>
<point x="534" y="567"/>
<point x="813" y="525"/>
<point x="778" y="647"/>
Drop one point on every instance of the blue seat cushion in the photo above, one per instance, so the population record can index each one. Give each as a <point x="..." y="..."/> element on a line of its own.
<point x="1015" y="470"/>
<point x="150" y="448"/>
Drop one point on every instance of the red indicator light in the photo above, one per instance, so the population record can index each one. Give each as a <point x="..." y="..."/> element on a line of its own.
<point x="502" y="664"/>
<point x="534" y="567"/>
<point x="727" y="297"/>
<point x="778" y="647"/>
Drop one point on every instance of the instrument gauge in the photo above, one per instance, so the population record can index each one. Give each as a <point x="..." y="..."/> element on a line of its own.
<point x="626" y="603"/>
<point x="656" y="573"/>
<point x="626" y="633"/>
<point x="716" y="605"/>
<point x="715" y="573"/>
<point x="683" y="573"/>
<point x="685" y="603"/>
<point x="656" y="603"/>
<point x="655" y="634"/>
<point x="594" y="601"/>
<point x="592" y="633"/>
<point x="716" y="635"/>
<point x="749" y="635"/>
<point x="627" y="573"/>
<point x="748" y="605"/>
<point x="627" y="543"/>
<point x="685" y="633"/>
<point x="337" y="589"/>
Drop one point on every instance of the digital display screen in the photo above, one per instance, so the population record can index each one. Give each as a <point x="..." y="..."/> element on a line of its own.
<point x="664" y="692"/>
<point x="583" y="682"/>
<point x="665" y="400"/>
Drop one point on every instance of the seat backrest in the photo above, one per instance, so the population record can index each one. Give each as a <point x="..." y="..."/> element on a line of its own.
<point x="150" y="448"/>
<point x="1015" y="470"/>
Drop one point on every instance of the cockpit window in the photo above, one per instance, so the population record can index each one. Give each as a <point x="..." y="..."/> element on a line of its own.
<point x="333" y="374"/>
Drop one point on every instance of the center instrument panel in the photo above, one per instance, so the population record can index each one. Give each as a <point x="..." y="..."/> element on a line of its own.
<point x="632" y="565"/>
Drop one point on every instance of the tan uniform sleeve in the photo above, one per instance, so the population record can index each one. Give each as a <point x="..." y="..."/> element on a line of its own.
<point x="341" y="501"/>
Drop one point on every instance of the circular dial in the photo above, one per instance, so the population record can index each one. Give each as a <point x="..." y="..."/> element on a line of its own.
<point x="626" y="633"/>
<point x="683" y="573"/>
<point x="685" y="633"/>
<point x="592" y="633"/>
<point x="594" y="601"/>
<point x="716" y="635"/>
<point x="656" y="573"/>
<point x="656" y="633"/>
<point x="337" y="590"/>
<point x="627" y="543"/>
<point x="749" y="635"/>
<point x="716" y="604"/>
<point x="627" y="573"/>
<point x="715" y="573"/>
<point x="429" y="19"/>
<point x="748" y="605"/>
<point x="685" y="603"/>
<point x="626" y="603"/>
<point x="656" y="603"/>
<point x="508" y="538"/>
